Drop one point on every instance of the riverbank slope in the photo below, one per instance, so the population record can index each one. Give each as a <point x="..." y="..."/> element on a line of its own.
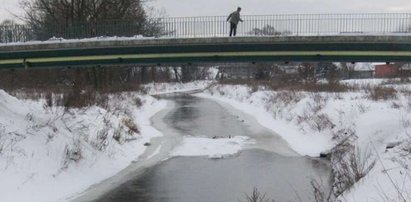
<point x="317" y="122"/>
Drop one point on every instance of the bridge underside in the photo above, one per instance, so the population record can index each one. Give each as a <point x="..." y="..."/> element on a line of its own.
<point x="212" y="50"/>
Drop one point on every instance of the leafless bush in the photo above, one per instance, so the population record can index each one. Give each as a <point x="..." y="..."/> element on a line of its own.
<point x="344" y="133"/>
<point x="360" y="164"/>
<point x="72" y="153"/>
<point x="129" y="123"/>
<point x="64" y="98"/>
<point x="407" y="149"/>
<point x="395" y="105"/>
<point x="382" y="93"/>
<point x="289" y="97"/>
<point x="256" y="196"/>
<point x="71" y="88"/>
<point x="313" y="116"/>
<point x="286" y="97"/>
<point x="84" y="99"/>
<point x="320" y="194"/>
<point x="320" y="122"/>
<point x="402" y="80"/>
<point x="117" y="135"/>
<point x="326" y="87"/>
<point x="7" y="139"/>
<point x="361" y="107"/>
<point x="138" y="102"/>
<point x="350" y="164"/>
<point x="49" y="99"/>
<point x="254" y="88"/>
<point x="292" y="85"/>
<point x="101" y="141"/>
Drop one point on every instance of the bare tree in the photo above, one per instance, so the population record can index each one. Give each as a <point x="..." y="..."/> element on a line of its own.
<point x="268" y="30"/>
<point x="87" y="18"/>
<point x="307" y="71"/>
<point x="10" y="31"/>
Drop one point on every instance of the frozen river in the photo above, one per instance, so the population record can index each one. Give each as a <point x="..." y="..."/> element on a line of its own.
<point x="269" y="164"/>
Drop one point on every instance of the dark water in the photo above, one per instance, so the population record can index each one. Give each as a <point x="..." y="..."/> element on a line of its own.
<point x="199" y="117"/>
<point x="188" y="179"/>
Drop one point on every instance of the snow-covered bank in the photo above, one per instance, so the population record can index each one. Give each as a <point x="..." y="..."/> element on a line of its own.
<point x="315" y="122"/>
<point x="53" y="154"/>
<point x="49" y="154"/>
<point x="256" y="105"/>
<point x="166" y="88"/>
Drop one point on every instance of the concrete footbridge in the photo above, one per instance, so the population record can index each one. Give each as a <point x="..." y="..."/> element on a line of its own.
<point x="180" y="51"/>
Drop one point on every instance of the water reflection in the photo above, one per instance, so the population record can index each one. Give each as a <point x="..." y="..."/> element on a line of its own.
<point x="201" y="117"/>
<point x="203" y="180"/>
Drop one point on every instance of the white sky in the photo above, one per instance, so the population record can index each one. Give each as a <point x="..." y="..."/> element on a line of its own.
<point x="256" y="7"/>
<point x="8" y="8"/>
<point x="175" y="8"/>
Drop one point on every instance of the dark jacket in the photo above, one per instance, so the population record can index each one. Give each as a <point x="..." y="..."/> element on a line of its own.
<point x="234" y="17"/>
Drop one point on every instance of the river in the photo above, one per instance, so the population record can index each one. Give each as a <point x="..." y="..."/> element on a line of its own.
<point x="268" y="165"/>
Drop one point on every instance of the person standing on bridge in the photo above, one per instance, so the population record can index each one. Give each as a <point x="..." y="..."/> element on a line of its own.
<point x="234" y="19"/>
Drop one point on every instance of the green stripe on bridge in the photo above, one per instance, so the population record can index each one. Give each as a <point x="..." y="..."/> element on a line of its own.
<point x="211" y="50"/>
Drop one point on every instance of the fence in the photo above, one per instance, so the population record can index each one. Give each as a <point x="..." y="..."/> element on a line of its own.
<point x="217" y="26"/>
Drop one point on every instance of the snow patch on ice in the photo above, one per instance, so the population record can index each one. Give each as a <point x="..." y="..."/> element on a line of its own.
<point x="157" y="151"/>
<point x="213" y="148"/>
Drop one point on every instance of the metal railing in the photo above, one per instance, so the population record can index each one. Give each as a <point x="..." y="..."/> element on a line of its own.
<point x="299" y="25"/>
<point x="217" y="26"/>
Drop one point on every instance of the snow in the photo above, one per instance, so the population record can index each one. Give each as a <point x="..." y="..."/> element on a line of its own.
<point x="53" y="154"/>
<point x="381" y="184"/>
<point x="56" y="40"/>
<point x="50" y="154"/>
<point x="213" y="148"/>
<point x="59" y="40"/>
<point x="239" y="98"/>
<point x="157" y="151"/>
<point x="167" y="88"/>
<point x="364" y="66"/>
<point x="296" y="117"/>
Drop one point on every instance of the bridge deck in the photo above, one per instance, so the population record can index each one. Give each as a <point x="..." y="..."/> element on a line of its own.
<point x="200" y="50"/>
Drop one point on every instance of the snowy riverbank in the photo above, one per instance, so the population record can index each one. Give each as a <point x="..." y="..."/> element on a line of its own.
<point x="49" y="154"/>
<point x="315" y="122"/>
<point x="54" y="153"/>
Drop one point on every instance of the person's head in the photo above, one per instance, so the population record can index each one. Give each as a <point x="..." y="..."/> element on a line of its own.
<point x="239" y="9"/>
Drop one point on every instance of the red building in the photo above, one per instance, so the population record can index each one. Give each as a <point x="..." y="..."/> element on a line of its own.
<point x="386" y="71"/>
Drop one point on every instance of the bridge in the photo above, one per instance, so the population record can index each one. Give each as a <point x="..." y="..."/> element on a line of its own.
<point x="279" y="38"/>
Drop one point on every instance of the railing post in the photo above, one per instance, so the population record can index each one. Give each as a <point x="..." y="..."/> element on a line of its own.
<point x="298" y="25"/>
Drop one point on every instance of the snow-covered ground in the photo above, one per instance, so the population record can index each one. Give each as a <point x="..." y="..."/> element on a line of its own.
<point x="53" y="154"/>
<point x="48" y="154"/>
<point x="312" y="123"/>
<point x="165" y="88"/>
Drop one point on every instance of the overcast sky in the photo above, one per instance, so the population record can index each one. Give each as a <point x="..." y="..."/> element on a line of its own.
<point x="256" y="7"/>
<point x="175" y="8"/>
